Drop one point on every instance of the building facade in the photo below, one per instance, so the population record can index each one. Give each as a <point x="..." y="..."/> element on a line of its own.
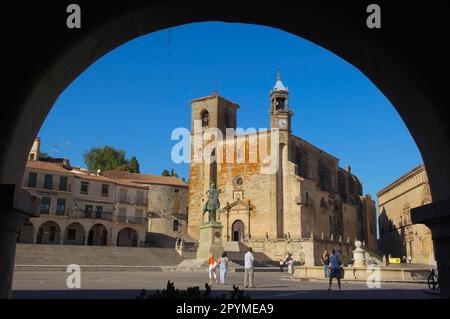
<point x="167" y="205"/>
<point x="398" y="237"/>
<point x="81" y="208"/>
<point x="305" y="205"/>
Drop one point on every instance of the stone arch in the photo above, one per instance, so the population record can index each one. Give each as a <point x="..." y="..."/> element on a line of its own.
<point x="238" y="230"/>
<point x="204" y="117"/>
<point x="405" y="76"/>
<point x="49" y="233"/>
<point x="127" y="237"/>
<point x="98" y="235"/>
<point x="74" y="234"/>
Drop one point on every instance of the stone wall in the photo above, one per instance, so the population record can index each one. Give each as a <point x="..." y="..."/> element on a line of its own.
<point x="397" y="236"/>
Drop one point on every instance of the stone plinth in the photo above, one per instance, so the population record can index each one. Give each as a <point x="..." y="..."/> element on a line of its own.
<point x="359" y="255"/>
<point x="210" y="240"/>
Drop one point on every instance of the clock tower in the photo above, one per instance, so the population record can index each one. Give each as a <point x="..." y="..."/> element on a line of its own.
<point x="280" y="121"/>
<point x="280" y="115"/>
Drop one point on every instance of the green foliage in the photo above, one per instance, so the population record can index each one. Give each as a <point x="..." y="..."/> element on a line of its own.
<point x="190" y="293"/>
<point x="171" y="173"/>
<point x="134" y="165"/>
<point x="345" y="259"/>
<point x="165" y="173"/>
<point x="109" y="158"/>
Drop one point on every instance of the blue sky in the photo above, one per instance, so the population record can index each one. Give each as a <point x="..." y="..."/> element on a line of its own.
<point x="137" y="94"/>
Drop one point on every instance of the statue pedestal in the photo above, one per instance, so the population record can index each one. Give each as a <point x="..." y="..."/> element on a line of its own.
<point x="210" y="241"/>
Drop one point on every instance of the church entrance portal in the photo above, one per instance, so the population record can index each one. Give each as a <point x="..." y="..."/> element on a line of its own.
<point x="238" y="231"/>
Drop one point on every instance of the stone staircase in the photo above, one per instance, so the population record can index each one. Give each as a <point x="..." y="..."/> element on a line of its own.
<point x="261" y="259"/>
<point x="30" y="257"/>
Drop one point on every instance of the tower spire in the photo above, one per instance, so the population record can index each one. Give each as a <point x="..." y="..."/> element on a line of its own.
<point x="278" y="75"/>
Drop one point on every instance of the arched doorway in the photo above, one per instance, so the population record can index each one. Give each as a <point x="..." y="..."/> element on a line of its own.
<point x="237" y="231"/>
<point x="26" y="233"/>
<point x="98" y="236"/>
<point x="49" y="234"/>
<point x="74" y="234"/>
<point x="127" y="237"/>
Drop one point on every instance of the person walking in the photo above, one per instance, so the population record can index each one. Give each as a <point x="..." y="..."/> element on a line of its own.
<point x="335" y="269"/>
<point x="223" y="264"/>
<point x="326" y="263"/>
<point x="290" y="263"/>
<point x="248" y="267"/>
<point x="212" y="264"/>
<point x="281" y="265"/>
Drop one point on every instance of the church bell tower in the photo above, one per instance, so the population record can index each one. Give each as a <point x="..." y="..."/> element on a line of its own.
<point x="280" y="121"/>
<point x="280" y="115"/>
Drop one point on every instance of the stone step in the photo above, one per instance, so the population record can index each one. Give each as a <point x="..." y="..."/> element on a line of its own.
<point x="90" y="255"/>
<point x="231" y="246"/>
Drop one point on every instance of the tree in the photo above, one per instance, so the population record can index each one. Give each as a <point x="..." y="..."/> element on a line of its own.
<point x="165" y="173"/>
<point x="134" y="165"/>
<point x="106" y="158"/>
<point x="172" y="173"/>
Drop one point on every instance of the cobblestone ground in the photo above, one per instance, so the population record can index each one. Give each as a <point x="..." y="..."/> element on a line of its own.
<point x="129" y="284"/>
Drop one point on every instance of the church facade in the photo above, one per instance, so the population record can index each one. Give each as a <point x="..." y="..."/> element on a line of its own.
<point x="307" y="204"/>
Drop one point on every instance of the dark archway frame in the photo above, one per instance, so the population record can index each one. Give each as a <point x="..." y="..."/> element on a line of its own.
<point x="403" y="60"/>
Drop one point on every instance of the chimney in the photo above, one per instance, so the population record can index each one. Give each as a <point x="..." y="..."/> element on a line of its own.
<point x="66" y="163"/>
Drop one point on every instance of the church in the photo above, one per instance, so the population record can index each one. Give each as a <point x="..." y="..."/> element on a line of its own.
<point x="306" y="205"/>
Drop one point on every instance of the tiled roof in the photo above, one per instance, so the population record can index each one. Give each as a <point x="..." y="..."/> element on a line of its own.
<point x="45" y="166"/>
<point x="94" y="177"/>
<point x="126" y="182"/>
<point x="146" y="178"/>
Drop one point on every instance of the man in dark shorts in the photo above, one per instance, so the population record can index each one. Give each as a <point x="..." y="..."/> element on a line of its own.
<point x="335" y="269"/>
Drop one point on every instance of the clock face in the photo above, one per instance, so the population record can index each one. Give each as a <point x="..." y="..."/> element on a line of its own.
<point x="282" y="123"/>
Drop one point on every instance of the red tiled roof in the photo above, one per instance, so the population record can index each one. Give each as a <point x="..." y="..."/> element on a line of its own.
<point x="46" y="166"/>
<point x="146" y="178"/>
<point x="126" y="182"/>
<point x="94" y="177"/>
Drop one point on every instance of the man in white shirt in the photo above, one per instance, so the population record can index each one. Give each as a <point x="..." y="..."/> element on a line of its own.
<point x="248" y="267"/>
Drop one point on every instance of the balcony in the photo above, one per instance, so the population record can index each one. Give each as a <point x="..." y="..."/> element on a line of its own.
<point x="132" y="200"/>
<point x="130" y="220"/>
<point x="52" y="187"/>
<point x="95" y="215"/>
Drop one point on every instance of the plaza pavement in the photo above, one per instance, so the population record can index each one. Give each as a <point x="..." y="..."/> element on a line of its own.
<point x="125" y="285"/>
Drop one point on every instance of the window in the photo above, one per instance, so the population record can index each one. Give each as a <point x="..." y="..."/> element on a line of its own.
<point x="176" y="206"/>
<point x="122" y="211"/>
<point x="31" y="157"/>
<point x="63" y="183"/>
<point x="84" y="188"/>
<point x="105" y="190"/>
<point x="71" y="234"/>
<point x="227" y="120"/>
<point x="140" y="197"/>
<point x="175" y="225"/>
<point x="45" y="205"/>
<point x="176" y="190"/>
<point x="48" y="181"/>
<point x="32" y="178"/>
<point x="88" y="211"/>
<point x="123" y="195"/>
<point x="205" y="118"/>
<point x="302" y="161"/>
<point x="60" y="206"/>
<point x="98" y="212"/>
<point x="324" y="176"/>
